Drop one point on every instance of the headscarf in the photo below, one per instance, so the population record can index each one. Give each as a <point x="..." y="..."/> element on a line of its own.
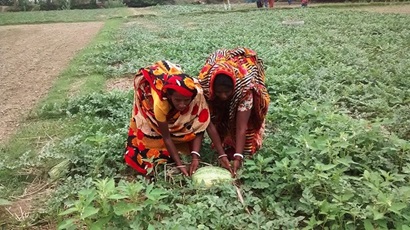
<point x="166" y="75"/>
<point x="216" y="69"/>
<point x="181" y="83"/>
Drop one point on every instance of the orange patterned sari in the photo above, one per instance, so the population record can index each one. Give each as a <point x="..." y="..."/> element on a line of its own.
<point x="145" y="146"/>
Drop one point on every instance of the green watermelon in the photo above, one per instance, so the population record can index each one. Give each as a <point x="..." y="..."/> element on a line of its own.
<point x="210" y="175"/>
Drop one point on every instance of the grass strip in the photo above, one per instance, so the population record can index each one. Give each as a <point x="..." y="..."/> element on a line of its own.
<point x="38" y="17"/>
<point x="37" y="131"/>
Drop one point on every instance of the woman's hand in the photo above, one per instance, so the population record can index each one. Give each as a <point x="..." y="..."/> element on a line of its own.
<point x="237" y="163"/>
<point x="183" y="170"/>
<point x="242" y="119"/>
<point x="194" y="165"/>
<point x="195" y="162"/>
<point x="169" y="144"/>
<point x="224" y="161"/>
<point x="236" y="166"/>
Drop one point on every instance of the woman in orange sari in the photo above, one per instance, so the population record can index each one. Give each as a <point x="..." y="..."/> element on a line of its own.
<point x="234" y="86"/>
<point x="169" y="117"/>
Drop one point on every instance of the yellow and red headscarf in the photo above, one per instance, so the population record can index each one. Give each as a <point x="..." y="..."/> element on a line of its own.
<point x="165" y="75"/>
<point x="181" y="83"/>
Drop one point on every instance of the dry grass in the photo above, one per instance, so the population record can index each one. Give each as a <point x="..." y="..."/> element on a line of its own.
<point x="395" y="9"/>
<point x="123" y="84"/>
<point x="23" y="208"/>
<point x="75" y="88"/>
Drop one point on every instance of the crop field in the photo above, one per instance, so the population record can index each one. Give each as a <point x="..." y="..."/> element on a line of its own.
<point x="30" y="17"/>
<point x="336" y="153"/>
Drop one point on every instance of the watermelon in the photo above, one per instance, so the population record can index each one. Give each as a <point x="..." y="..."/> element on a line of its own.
<point x="210" y="175"/>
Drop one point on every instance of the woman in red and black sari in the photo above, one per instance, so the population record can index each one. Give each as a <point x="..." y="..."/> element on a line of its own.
<point x="169" y="118"/>
<point x="234" y="86"/>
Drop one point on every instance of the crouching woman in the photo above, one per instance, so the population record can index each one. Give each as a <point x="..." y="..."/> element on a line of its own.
<point x="169" y="118"/>
<point x="234" y="85"/>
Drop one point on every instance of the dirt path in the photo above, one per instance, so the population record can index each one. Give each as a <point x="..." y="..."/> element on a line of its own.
<point x="393" y="9"/>
<point x="32" y="56"/>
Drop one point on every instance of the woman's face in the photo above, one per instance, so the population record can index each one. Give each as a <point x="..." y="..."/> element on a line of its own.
<point x="180" y="102"/>
<point x="223" y="93"/>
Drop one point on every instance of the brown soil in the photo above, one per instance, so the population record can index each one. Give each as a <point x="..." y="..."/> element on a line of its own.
<point x="394" y="9"/>
<point x="32" y="56"/>
<point x="123" y="84"/>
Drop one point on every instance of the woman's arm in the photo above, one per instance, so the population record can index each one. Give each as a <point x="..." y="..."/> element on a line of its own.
<point x="195" y="147"/>
<point x="197" y="142"/>
<point x="216" y="140"/>
<point x="242" y="118"/>
<point x="169" y="144"/>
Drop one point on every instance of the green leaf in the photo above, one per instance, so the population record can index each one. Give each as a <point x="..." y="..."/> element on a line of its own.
<point x="66" y="224"/>
<point x="268" y="160"/>
<point x="405" y="190"/>
<point x="405" y="227"/>
<point x="260" y="185"/>
<point x="345" y="161"/>
<point x="382" y="224"/>
<point x="323" y="167"/>
<point x="4" y="202"/>
<point x="89" y="211"/>
<point x="163" y="207"/>
<point x="150" y="227"/>
<point x="323" y="175"/>
<point x="87" y="192"/>
<point x="110" y="186"/>
<point x="377" y="215"/>
<point x="257" y="208"/>
<point x="285" y="161"/>
<point x="149" y="188"/>
<point x="100" y="224"/>
<point x="368" y="225"/>
<point x="68" y="211"/>
<point x="366" y="174"/>
<point x="292" y="150"/>
<point x="156" y="194"/>
<point x="269" y="169"/>
<point x="117" y="197"/>
<point x="122" y="208"/>
<point x="396" y="207"/>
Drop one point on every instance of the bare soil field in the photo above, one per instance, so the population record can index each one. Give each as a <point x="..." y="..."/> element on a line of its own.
<point x="393" y="9"/>
<point x="32" y="56"/>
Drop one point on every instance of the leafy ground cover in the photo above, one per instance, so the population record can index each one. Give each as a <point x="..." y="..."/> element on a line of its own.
<point x="337" y="149"/>
<point x="11" y="18"/>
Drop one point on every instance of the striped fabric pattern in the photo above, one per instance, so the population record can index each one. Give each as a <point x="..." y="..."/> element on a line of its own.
<point x="248" y="74"/>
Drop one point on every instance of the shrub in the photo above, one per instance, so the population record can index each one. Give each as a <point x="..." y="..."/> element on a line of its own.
<point x="145" y="3"/>
<point x="49" y="5"/>
<point x="6" y="2"/>
<point x="113" y="4"/>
